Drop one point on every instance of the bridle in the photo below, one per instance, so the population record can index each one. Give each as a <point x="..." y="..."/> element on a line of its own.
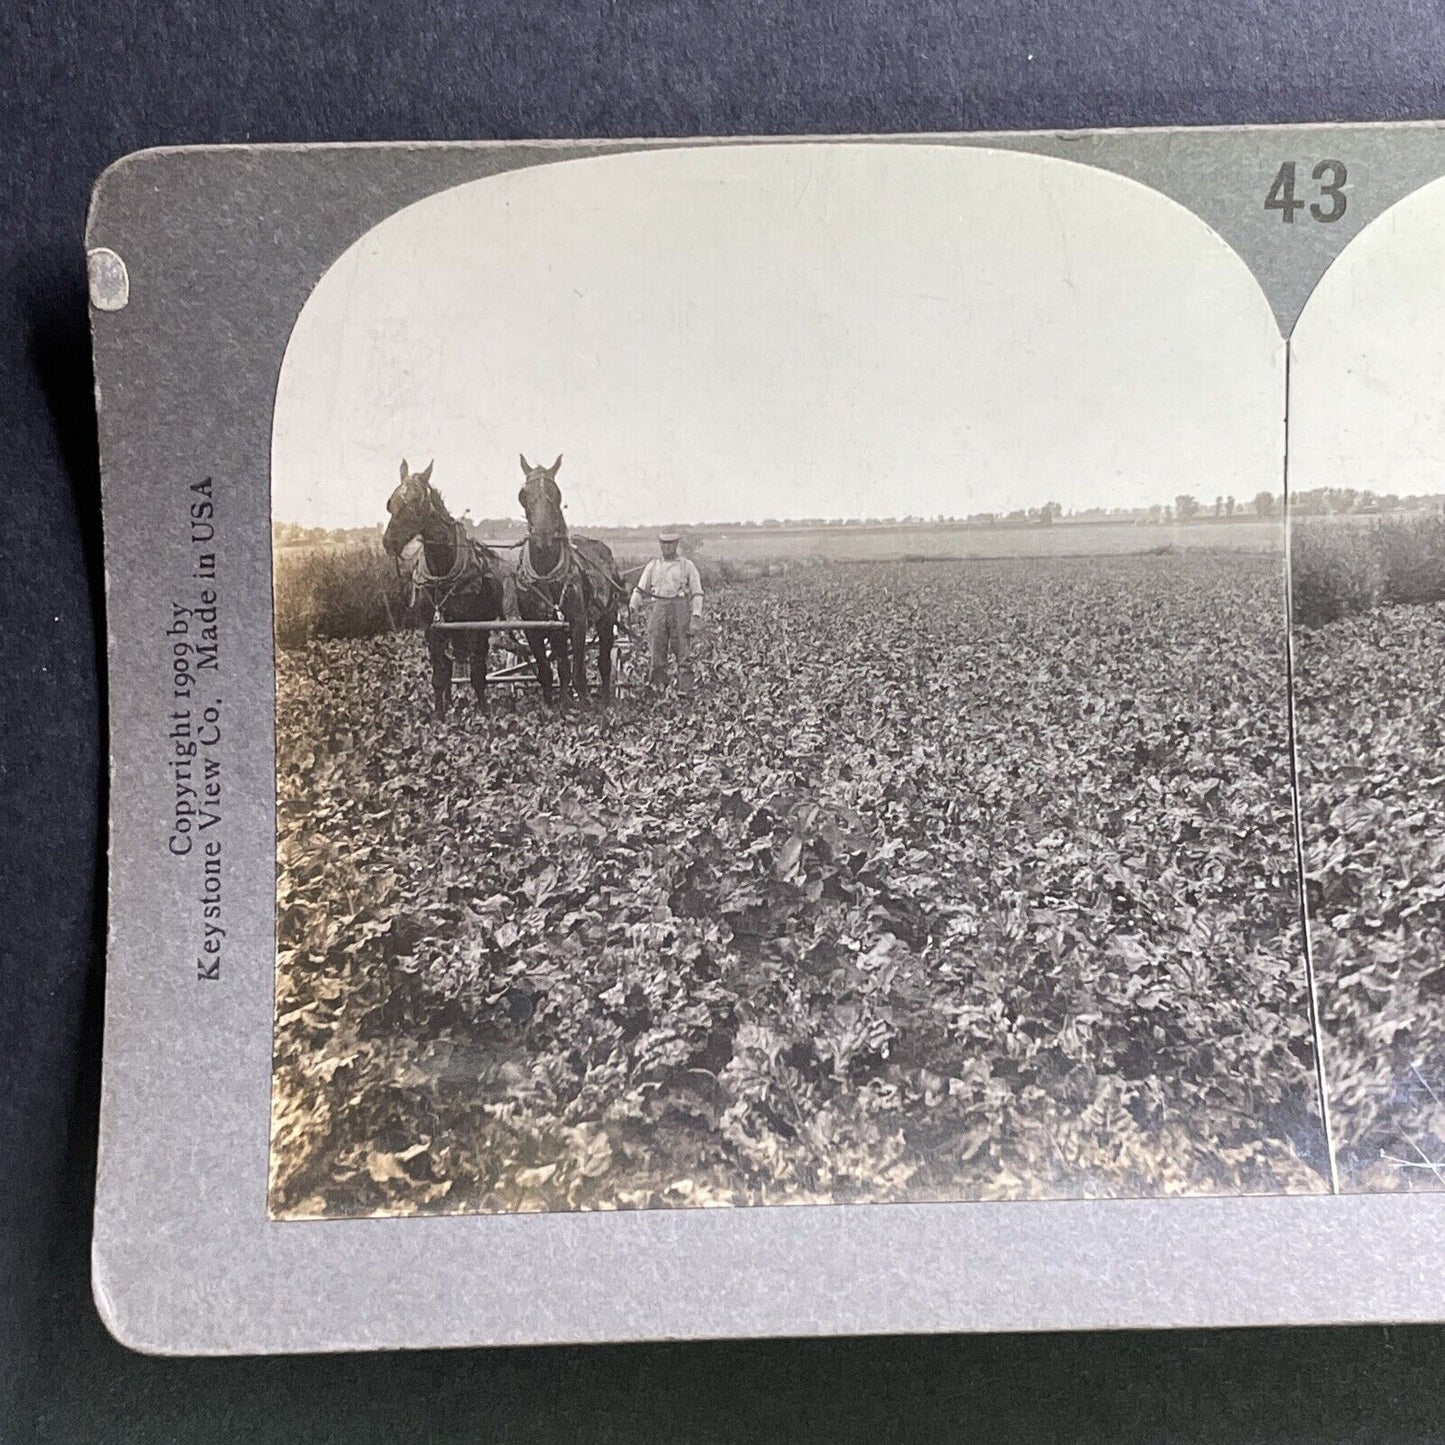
<point x="572" y="572"/>
<point x="430" y="502"/>
<point x="562" y="575"/>
<point x="468" y="559"/>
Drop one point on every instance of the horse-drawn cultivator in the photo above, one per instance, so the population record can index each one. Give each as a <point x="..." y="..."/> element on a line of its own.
<point x="544" y="609"/>
<point x="510" y="662"/>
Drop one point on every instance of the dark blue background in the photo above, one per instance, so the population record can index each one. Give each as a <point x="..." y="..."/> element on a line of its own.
<point x="83" y="84"/>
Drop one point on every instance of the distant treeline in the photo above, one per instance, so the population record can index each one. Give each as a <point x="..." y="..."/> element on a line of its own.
<point x="1353" y="501"/>
<point x="292" y="534"/>
<point x="1319" y="501"/>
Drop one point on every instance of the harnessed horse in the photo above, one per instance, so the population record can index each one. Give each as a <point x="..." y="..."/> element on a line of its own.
<point x="456" y="578"/>
<point x="575" y="577"/>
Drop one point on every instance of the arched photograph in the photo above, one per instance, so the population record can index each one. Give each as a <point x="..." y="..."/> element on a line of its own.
<point x="1367" y="493"/>
<point x="782" y="696"/>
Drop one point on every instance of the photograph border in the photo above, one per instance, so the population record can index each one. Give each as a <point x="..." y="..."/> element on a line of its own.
<point x="210" y="253"/>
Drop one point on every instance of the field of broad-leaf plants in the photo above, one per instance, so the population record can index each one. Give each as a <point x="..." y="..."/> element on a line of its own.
<point x="1372" y="770"/>
<point x="955" y="880"/>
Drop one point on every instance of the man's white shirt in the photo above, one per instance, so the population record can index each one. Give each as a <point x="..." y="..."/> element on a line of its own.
<point x="669" y="577"/>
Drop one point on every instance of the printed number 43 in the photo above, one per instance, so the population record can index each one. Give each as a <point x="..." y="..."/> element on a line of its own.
<point x="1281" y="195"/>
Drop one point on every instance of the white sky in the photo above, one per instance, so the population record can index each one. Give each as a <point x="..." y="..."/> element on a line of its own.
<point x="1367" y="364"/>
<point x="747" y="332"/>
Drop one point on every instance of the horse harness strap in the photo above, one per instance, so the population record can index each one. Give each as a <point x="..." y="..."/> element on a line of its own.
<point x="467" y="565"/>
<point x="566" y="562"/>
<point x="564" y="575"/>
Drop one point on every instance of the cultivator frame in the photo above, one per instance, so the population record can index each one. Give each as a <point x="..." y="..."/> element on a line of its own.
<point x="521" y="671"/>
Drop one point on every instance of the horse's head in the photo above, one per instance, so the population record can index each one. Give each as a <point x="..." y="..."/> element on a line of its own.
<point x="541" y="500"/>
<point x="412" y="505"/>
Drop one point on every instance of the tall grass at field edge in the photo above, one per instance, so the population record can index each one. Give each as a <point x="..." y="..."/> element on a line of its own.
<point x="337" y="592"/>
<point x="326" y="592"/>
<point x="1344" y="567"/>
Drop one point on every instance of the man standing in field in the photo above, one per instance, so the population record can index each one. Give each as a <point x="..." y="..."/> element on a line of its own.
<point x="671" y="583"/>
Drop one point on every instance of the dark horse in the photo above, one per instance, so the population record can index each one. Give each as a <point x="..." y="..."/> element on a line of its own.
<point x="574" y="576"/>
<point x="454" y="578"/>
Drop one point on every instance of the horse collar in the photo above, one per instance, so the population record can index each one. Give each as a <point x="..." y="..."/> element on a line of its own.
<point x="559" y="569"/>
<point x="468" y="563"/>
